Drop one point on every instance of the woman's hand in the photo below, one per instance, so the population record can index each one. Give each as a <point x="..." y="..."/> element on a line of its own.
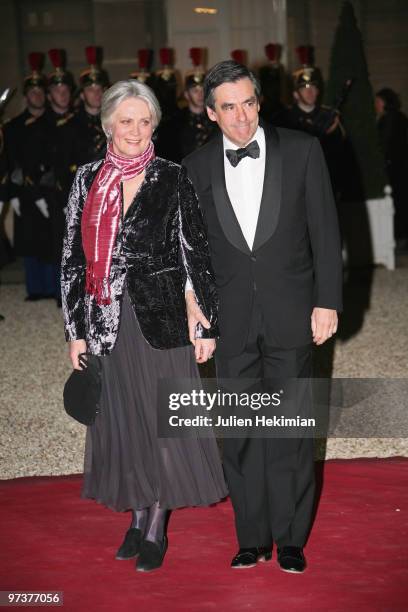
<point x="76" y="347"/>
<point x="194" y="316"/>
<point x="204" y="349"/>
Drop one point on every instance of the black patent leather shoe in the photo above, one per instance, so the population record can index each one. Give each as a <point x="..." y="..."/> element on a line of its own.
<point x="130" y="546"/>
<point x="291" y="559"/>
<point x="151" y="555"/>
<point x="249" y="557"/>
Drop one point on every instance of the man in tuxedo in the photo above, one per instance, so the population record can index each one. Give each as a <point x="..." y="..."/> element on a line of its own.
<point x="268" y="206"/>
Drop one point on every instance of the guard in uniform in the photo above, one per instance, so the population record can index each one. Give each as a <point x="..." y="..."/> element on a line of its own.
<point x="6" y="252"/>
<point x="64" y="149"/>
<point x="92" y="82"/>
<point x="194" y="126"/>
<point x="143" y="74"/>
<point x="165" y="85"/>
<point x="165" y="88"/>
<point x="29" y="163"/>
<point x="308" y="115"/>
<point x="272" y="78"/>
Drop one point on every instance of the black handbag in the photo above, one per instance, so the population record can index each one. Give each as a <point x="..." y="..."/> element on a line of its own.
<point x="82" y="391"/>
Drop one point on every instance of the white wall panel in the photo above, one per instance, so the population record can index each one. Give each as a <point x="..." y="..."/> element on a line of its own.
<point x="242" y="24"/>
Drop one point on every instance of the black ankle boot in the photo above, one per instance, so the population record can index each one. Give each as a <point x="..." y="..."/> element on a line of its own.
<point x="151" y="555"/>
<point x="130" y="547"/>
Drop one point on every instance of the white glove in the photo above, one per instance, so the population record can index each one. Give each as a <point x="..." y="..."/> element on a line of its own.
<point x="15" y="204"/>
<point x="43" y="207"/>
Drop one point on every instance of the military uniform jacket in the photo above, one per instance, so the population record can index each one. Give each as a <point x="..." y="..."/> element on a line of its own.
<point x="194" y="131"/>
<point x="92" y="140"/>
<point x="64" y="142"/>
<point x="160" y="241"/>
<point x="29" y="161"/>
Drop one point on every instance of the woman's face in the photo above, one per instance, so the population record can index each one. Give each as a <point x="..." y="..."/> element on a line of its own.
<point x="131" y="127"/>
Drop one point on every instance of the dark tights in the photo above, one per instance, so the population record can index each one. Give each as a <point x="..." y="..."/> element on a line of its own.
<point x="151" y="521"/>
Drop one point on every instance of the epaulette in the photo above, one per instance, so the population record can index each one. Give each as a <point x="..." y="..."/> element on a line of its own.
<point x="328" y="108"/>
<point x="64" y="120"/>
<point x="166" y="74"/>
<point x="30" y="120"/>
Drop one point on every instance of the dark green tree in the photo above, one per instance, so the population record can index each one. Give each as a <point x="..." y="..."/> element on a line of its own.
<point x="348" y="61"/>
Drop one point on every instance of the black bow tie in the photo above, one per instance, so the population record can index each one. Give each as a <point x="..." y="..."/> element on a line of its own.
<point x="235" y="156"/>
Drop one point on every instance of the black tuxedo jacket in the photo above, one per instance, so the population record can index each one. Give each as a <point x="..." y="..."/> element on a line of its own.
<point x="295" y="263"/>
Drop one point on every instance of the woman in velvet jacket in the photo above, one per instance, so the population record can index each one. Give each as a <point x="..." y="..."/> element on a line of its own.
<point x="134" y="238"/>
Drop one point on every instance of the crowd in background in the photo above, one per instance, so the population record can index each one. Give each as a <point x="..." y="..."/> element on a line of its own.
<point x="60" y="129"/>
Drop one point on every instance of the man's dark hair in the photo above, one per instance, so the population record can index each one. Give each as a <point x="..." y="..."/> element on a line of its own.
<point x="391" y="99"/>
<point x="227" y="71"/>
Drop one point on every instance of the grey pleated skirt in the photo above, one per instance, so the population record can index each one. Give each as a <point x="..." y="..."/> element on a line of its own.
<point x="126" y="465"/>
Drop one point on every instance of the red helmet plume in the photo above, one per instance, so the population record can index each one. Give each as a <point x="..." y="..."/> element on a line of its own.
<point x="36" y="61"/>
<point x="273" y="52"/>
<point x="196" y="54"/>
<point x="238" y="55"/>
<point x="91" y="55"/>
<point x="305" y="55"/>
<point x="56" y="58"/>
<point x="166" y="56"/>
<point x="144" y="57"/>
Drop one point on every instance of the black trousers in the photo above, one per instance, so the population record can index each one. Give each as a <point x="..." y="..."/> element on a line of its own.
<point x="271" y="480"/>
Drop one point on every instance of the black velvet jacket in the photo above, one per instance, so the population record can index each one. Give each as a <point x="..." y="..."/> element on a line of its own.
<point x="161" y="241"/>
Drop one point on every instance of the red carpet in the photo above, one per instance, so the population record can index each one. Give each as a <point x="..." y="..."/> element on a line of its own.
<point x="357" y="553"/>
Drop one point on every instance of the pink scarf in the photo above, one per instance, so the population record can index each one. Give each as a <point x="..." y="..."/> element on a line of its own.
<point x="101" y="215"/>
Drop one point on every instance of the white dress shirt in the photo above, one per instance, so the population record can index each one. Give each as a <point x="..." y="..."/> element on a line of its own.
<point x="245" y="185"/>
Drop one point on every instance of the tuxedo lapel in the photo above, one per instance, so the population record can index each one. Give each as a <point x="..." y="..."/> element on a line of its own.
<point x="223" y="206"/>
<point x="272" y="189"/>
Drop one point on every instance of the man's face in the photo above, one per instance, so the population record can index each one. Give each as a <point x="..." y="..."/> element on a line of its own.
<point x="307" y="95"/>
<point x="92" y="96"/>
<point x="379" y="105"/>
<point x="195" y="98"/>
<point x="35" y="97"/>
<point x="236" y="110"/>
<point x="60" y="96"/>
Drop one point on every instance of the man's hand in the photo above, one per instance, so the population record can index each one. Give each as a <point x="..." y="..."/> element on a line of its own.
<point x="324" y="324"/>
<point x="204" y="349"/>
<point x="76" y="347"/>
<point x="334" y="125"/>
<point x="194" y="316"/>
